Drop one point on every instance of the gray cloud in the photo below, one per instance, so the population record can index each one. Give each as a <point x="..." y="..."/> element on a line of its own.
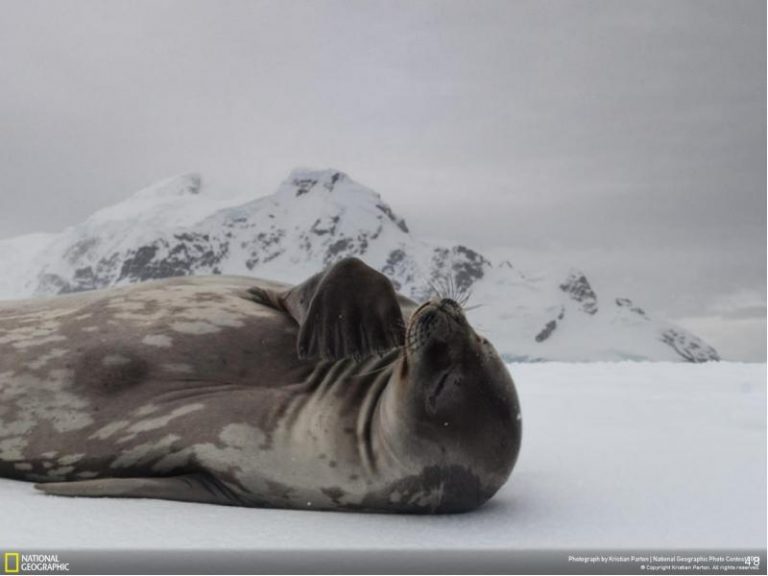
<point x="627" y="137"/>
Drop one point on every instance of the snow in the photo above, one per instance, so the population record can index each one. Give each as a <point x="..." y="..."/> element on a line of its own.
<point x="316" y="217"/>
<point x="16" y="254"/>
<point x="614" y="455"/>
<point x="175" y="201"/>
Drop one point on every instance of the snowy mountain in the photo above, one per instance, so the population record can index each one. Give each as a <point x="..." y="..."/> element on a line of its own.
<point x="312" y="220"/>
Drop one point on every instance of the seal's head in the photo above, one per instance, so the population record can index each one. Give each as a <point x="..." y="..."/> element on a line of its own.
<point x="457" y="401"/>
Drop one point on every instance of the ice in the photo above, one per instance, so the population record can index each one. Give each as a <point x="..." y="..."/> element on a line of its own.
<point x="614" y="455"/>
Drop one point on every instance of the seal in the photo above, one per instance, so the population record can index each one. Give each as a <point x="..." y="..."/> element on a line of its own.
<point x="238" y="391"/>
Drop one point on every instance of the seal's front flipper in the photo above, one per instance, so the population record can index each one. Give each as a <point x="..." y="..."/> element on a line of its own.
<point x="350" y="310"/>
<point x="187" y="488"/>
<point x="265" y="297"/>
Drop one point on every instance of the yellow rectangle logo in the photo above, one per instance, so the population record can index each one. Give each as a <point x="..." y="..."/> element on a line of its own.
<point x="11" y="562"/>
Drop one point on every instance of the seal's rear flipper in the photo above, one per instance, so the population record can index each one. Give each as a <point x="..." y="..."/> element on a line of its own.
<point x="349" y="310"/>
<point x="187" y="488"/>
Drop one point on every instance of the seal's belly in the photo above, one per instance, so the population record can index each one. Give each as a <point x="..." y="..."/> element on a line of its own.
<point x="110" y="379"/>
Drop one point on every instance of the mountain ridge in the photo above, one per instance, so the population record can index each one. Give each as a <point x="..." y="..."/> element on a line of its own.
<point x="313" y="219"/>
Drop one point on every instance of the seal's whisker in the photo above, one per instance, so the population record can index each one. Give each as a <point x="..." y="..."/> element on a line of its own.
<point x="434" y="288"/>
<point x="484" y="330"/>
<point x="464" y="294"/>
<point x="458" y="290"/>
<point x="443" y="286"/>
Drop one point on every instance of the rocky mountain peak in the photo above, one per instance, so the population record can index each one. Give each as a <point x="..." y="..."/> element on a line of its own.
<point x="315" y="218"/>
<point x="629" y="305"/>
<point x="578" y="288"/>
<point x="176" y="186"/>
<point x="305" y="180"/>
<point x="335" y="199"/>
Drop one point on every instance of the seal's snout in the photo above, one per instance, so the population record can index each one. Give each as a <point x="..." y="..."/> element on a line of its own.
<point x="438" y="311"/>
<point x="446" y="306"/>
<point x="437" y="322"/>
<point x="453" y="309"/>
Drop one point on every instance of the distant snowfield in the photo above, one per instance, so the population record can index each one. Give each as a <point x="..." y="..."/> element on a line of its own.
<point x="614" y="455"/>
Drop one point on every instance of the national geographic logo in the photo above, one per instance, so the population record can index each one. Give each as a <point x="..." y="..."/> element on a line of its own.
<point x="18" y="563"/>
<point x="11" y="562"/>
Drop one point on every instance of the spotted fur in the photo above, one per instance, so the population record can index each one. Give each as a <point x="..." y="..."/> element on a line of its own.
<point x="190" y="389"/>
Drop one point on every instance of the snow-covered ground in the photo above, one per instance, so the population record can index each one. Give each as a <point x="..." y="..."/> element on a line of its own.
<point x="614" y="455"/>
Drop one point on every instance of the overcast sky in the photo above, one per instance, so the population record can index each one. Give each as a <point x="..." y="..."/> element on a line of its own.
<point x="627" y="138"/>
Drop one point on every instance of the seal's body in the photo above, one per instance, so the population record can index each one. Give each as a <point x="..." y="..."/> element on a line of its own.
<point x="247" y="392"/>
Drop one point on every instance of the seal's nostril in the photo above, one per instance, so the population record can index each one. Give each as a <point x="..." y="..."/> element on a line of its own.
<point x="451" y="306"/>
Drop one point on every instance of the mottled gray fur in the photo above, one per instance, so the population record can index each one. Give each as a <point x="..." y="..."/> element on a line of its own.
<point x="189" y="389"/>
